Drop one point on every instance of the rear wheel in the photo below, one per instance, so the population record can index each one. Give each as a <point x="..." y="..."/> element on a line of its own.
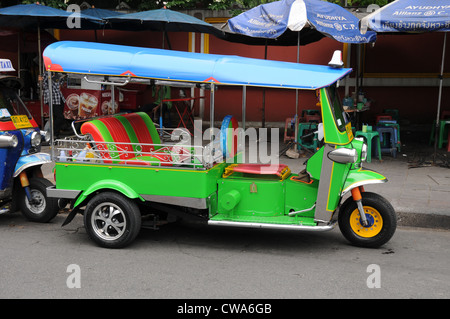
<point x="112" y="220"/>
<point x="381" y="217"/>
<point x="42" y="209"/>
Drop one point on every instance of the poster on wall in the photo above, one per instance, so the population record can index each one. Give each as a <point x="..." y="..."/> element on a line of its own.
<point x="83" y="104"/>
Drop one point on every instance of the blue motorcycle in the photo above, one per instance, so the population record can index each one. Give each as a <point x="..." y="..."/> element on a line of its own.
<point x="22" y="185"/>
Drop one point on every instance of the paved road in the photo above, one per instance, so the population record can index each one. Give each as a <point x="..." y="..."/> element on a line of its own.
<point x="195" y="261"/>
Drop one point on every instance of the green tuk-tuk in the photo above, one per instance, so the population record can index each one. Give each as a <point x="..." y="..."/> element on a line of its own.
<point x="116" y="168"/>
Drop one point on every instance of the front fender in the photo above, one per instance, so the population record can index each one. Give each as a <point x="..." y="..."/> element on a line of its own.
<point x="27" y="161"/>
<point x="361" y="177"/>
<point x="108" y="184"/>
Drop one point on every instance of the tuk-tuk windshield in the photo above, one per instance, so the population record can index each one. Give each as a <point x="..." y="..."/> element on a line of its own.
<point x="11" y="104"/>
<point x="340" y="117"/>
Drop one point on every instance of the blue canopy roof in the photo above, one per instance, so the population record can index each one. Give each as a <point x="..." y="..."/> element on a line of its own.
<point x="410" y="16"/>
<point x="118" y="60"/>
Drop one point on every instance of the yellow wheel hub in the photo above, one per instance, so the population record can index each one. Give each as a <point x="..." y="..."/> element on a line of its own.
<point x="374" y="219"/>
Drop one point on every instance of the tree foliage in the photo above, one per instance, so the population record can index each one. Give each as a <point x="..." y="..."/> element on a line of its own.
<point x="142" y="5"/>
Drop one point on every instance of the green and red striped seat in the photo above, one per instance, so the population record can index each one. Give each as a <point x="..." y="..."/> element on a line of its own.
<point x="128" y="137"/>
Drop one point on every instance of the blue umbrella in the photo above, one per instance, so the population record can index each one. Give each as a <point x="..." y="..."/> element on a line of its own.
<point x="161" y="20"/>
<point x="100" y="13"/>
<point x="413" y="16"/>
<point x="272" y="20"/>
<point x="24" y="16"/>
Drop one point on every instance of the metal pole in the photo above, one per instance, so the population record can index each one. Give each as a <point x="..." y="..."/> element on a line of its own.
<point x="211" y="107"/>
<point x="40" y="73"/>
<point x="441" y="76"/>
<point x="50" y="105"/>
<point x="244" y="105"/>
<point x="296" y="94"/>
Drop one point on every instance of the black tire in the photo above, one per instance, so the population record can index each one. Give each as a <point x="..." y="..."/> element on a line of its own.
<point x="43" y="209"/>
<point x="379" y="212"/>
<point x="112" y="220"/>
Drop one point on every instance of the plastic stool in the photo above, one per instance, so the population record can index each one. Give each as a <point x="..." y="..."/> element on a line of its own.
<point x="442" y="133"/>
<point x="388" y="145"/>
<point x="383" y="117"/>
<point x="368" y="136"/>
<point x="395" y="125"/>
<point x="302" y="128"/>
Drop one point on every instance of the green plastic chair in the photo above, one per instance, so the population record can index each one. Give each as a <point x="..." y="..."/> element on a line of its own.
<point x="368" y="136"/>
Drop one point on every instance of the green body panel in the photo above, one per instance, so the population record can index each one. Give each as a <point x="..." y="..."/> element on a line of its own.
<point x="139" y="180"/>
<point x="108" y="184"/>
<point x="314" y="164"/>
<point x="256" y="196"/>
<point x="361" y="176"/>
<point x="300" y="196"/>
<point x="338" y="176"/>
<point x="265" y="200"/>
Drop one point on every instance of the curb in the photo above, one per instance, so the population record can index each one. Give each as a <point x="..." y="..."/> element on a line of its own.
<point x="423" y="220"/>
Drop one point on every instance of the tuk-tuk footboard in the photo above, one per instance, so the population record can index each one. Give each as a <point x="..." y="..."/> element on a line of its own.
<point x="327" y="227"/>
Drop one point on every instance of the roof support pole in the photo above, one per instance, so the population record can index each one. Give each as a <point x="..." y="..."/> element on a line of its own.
<point x="211" y="107"/>
<point x="50" y="110"/>
<point x="244" y="105"/>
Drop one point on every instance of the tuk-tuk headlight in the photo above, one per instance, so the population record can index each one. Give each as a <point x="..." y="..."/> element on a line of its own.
<point x="35" y="139"/>
<point x="8" y="140"/>
<point x="364" y="152"/>
<point x="45" y="136"/>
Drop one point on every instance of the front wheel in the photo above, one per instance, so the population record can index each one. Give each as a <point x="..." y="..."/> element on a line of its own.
<point x="42" y="209"/>
<point x="112" y="220"/>
<point x="381" y="217"/>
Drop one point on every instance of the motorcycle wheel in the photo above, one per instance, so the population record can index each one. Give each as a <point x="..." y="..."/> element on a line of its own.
<point x="43" y="209"/>
<point x="379" y="213"/>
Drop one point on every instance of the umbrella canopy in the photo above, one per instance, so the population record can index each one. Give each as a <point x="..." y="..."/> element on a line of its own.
<point x="409" y="16"/>
<point x="272" y="20"/>
<point x="100" y="13"/>
<point x="413" y="16"/>
<point x="30" y="16"/>
<point x="160" y="20"/>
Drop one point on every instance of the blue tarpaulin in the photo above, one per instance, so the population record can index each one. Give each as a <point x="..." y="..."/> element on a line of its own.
<point x="410" y="16"/>
<point x="271" y="20"/>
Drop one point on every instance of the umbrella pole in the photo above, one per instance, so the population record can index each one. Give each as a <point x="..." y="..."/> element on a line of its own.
<point x="441" y="75"/>
<point x="263" y="120"/>
<point x="292" y="152"/>
<point x="296" y="92"/>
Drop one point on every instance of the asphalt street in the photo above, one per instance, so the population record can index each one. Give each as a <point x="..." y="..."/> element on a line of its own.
<point x="190" y="261"/>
